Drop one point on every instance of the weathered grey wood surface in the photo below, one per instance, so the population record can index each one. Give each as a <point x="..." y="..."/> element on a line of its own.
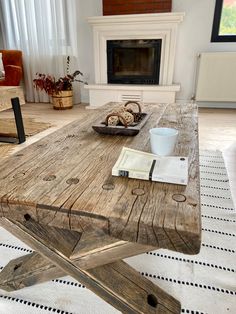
<point x="64" y="203"/>
<point x="117" y="283"/>
<point x="92" y="250"/>
<point x="64" y="180"/>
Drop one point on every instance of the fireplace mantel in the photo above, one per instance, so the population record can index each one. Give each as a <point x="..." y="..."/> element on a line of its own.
<point x="137" y="26"/>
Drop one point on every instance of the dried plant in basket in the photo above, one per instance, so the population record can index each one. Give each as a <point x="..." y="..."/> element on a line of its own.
<point x="51" y="85"/>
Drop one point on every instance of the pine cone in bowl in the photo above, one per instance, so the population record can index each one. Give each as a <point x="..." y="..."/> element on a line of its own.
<point x="113" y="120"/>
<point x="128" y="117"/>
<point x="137" y="116"/>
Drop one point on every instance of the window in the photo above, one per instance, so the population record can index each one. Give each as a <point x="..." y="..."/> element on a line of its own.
<point x="224" y="24"/>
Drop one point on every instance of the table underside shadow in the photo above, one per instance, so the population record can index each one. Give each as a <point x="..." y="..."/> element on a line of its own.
<point x="95" y="262"/>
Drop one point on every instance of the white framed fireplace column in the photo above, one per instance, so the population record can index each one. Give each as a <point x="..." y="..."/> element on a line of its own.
<point x="131" y="27"/>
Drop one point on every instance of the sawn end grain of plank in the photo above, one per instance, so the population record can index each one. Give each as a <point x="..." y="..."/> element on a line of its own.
<point x="126" y="215"/>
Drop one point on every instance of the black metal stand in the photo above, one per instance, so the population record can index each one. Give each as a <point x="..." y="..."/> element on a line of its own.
<point x="19" y="124"/>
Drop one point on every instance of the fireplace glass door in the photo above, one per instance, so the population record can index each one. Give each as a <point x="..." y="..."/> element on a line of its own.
<point x="134" y="61"/>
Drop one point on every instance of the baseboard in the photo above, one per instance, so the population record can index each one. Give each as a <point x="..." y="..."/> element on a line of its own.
<point x="223" y="105"/>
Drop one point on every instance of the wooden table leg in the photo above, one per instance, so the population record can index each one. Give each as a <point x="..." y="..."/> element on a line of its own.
<point x="88" y="250"/>
<point x="33" y="268"/>
<point x="117" y="283"/>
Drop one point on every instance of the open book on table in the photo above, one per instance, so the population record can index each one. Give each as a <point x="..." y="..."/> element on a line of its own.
<point x="145" y="166"/>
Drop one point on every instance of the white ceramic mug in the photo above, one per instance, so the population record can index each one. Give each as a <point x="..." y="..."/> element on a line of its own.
<point x="163" y="140"/>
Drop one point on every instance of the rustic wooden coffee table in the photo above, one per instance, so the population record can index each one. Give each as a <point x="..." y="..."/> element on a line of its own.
<point x="59" y="197"/>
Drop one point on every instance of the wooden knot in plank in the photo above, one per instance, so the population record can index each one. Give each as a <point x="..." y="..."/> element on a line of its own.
<point x="72" y="181"/>
<point x="108" y="186"/>
<point x="17" y="266"/>
<point x="19" y="174"/>
<point x="49" y="177"/>
<point x="138" y="192"/>
<point x="41" y="145"/>
<point x="179" y="198"/>
<point x="152" y="300"/>
<point x="27" y="217"/>
<point x="70" y="136"/>
<point x="192" y="202"/>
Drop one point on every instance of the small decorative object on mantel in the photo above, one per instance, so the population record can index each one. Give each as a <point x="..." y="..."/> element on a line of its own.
<point x="123" y="120"/>
<point x="61" y="89"/>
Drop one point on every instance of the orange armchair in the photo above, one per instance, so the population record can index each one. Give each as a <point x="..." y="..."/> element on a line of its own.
<point x="12" y="62"/>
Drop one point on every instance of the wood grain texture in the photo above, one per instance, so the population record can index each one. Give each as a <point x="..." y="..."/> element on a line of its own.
<point x="8" y="92"/>
<point x="8" y="126"/>
<point x="72" y="191"/>
<point x="117" y="283"/>
<point x="92" y="250"/>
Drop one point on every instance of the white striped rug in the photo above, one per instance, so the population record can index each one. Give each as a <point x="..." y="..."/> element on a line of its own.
<point x="204" y="283"/>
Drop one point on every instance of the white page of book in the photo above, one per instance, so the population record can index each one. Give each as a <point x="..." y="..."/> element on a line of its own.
<point x="140" y="165"/>
<point x="136" y="162"/>
<point x="171" y="169"/>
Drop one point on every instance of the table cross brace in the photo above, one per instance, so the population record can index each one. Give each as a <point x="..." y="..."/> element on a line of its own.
<point x="117" y="282"/>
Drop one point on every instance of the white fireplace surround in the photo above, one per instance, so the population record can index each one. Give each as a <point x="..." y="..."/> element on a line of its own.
<point x="137" y="26"/>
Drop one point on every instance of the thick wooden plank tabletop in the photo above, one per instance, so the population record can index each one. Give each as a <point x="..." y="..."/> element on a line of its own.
<point x="64" y="180"/>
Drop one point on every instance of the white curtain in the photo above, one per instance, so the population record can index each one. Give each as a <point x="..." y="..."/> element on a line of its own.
<point x="46" y="32"/>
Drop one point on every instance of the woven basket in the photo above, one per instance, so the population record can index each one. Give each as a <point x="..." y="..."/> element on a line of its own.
<point x="63" y="100"/>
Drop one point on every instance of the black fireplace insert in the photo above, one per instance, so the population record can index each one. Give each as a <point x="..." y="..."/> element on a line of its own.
<point x="133" y="61"/>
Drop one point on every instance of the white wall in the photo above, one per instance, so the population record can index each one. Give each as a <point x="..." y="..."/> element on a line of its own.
<point x="193" y="37"/>
<point x="86" y="8"/>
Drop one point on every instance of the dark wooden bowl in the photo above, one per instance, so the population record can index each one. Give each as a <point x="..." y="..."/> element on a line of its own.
<point x="130" y="130"/>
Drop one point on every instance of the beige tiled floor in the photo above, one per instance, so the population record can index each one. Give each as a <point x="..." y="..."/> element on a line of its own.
<point x="217" y="130"/>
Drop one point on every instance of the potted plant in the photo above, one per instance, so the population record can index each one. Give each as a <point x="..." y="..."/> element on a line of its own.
<point x="59" y="89"/>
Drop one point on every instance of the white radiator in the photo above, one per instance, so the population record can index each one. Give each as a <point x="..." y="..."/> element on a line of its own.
<point x="216" y="77"/>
